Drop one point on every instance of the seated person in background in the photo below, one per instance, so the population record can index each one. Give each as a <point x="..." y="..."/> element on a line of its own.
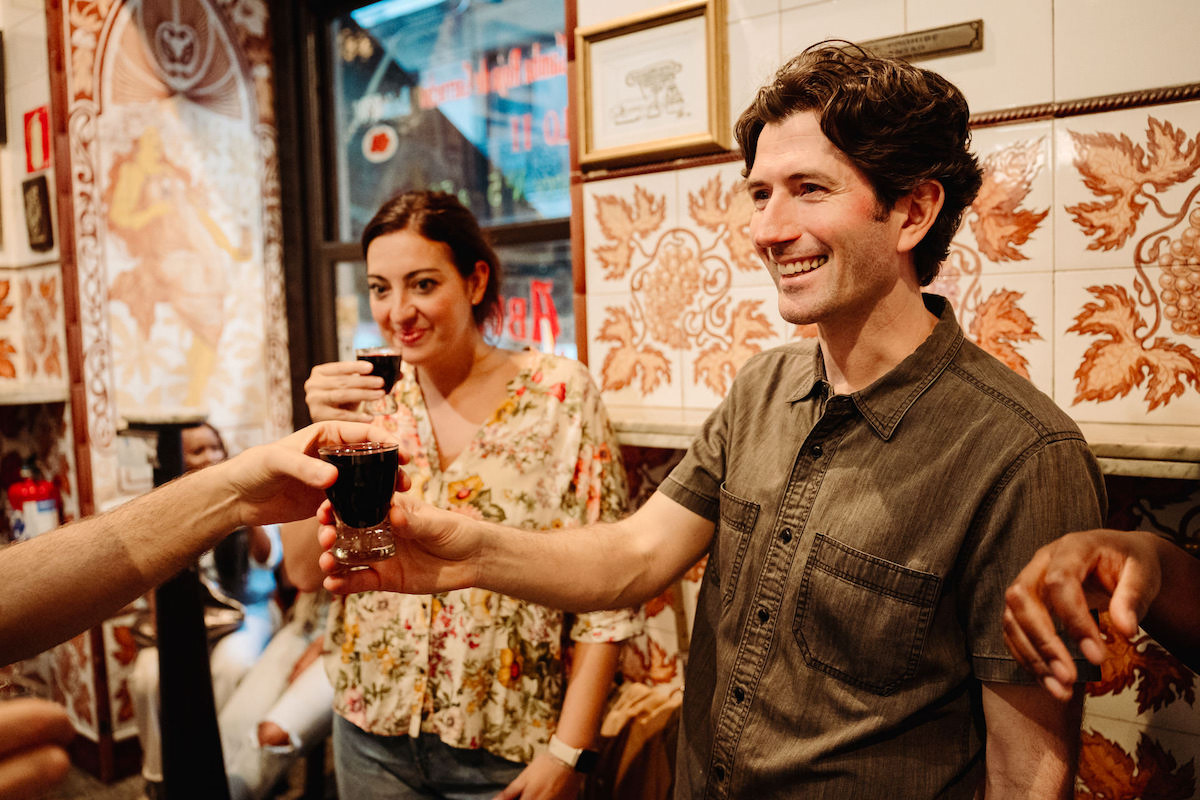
<point x="240" y="567"/>
<point x="73" y="578"/>
<point x="284" y="705"/>
<point x="1143" y="577"/>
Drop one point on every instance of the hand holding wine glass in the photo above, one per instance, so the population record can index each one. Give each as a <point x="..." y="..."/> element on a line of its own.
<point x="385" y="363"/>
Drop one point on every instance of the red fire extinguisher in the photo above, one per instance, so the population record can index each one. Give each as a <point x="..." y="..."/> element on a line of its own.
<point x="33" y="504"/>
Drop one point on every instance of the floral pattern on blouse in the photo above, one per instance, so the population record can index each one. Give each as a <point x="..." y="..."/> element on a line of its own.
<point x="477" y="668"/>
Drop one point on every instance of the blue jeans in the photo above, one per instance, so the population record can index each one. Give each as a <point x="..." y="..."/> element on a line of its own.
<point x="371" y="767"/>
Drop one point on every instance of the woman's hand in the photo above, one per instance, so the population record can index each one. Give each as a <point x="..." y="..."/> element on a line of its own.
<point x="337" y="391"/>
<point x="546" y="778"/>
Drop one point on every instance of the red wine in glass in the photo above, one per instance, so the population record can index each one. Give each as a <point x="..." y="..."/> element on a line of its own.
<point x="385" y="362"/>
<point x="361" y="496"/>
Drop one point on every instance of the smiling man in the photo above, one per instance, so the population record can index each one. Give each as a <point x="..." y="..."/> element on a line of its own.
<point x="864" y="500"/>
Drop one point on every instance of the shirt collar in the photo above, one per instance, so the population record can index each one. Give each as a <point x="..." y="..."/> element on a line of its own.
<point x="884" y="403"/>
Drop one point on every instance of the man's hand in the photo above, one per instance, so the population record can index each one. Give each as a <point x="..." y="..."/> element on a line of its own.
<point x="336" y="390"/>
<point x="434" y="553"/>
<point x="33" y="735"/>
<point x="285" y="480"/>
<point x="1065" y="579"/>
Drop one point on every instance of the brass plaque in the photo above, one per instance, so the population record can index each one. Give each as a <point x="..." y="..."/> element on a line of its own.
<point x="961" y="38"/>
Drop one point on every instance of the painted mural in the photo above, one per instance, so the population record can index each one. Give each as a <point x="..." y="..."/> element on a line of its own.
<point x="177" y="242"/>
<point x="177" y="217"/>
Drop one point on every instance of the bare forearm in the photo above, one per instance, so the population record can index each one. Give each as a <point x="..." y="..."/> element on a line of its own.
<point x="1174" y="615"/>
<point x="68" y="580"/>
<point x="594" y="668"/>
<point x="1032" y="742"/>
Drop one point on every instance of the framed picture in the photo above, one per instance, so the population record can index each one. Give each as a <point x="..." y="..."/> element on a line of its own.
<point x="653" y="86"/>
<point x="37" y="214"/>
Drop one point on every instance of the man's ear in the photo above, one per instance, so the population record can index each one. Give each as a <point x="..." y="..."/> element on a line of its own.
<point x="921" y="207"/>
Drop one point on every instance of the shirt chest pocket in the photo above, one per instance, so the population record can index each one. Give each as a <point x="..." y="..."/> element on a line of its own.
<point x="862" y="619"/>
<point x="737" y="518"/>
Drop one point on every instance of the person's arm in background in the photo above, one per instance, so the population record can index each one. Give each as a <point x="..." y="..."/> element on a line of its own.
<point x="1138" y="575"/>
<point x="70" y="579"/>
<point x="33" y="736"/>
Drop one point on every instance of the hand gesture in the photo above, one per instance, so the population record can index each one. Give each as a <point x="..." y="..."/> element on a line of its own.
<point x="337" y="391"/>
<point x="286" y="481"/>
<point x="33" y="735"/>
<point x="434" y="553"/>
<point x="1065" y="579"/>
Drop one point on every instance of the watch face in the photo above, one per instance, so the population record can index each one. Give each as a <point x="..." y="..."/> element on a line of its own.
<point x="586" y="761"/>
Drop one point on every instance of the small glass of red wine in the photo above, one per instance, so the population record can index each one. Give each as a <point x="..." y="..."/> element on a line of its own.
<point x="385" y="362"/>
<point x="361" y="497"/>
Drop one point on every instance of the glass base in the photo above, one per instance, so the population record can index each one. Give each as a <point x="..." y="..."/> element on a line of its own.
<point x="363" y="545"/>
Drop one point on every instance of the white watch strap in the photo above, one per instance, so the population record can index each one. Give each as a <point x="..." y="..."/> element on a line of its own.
<point x="564" y="752"/>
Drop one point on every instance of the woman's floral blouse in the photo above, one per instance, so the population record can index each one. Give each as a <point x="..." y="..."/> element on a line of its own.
<point x="480" y="669"/>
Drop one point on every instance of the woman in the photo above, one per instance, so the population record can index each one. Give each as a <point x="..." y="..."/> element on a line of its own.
<point x="457" y="695"/>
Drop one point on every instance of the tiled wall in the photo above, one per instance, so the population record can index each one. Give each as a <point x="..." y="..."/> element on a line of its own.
<point x="1077" y="266"/>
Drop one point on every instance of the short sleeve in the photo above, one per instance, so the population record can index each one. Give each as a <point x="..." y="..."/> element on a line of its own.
<point x="1054" y="489"/>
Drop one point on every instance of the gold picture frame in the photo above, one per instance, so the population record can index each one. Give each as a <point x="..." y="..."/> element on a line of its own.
<point x="653" y="86"/>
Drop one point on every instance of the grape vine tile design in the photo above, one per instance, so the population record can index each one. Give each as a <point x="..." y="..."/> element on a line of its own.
<point x="1141" y="336"/>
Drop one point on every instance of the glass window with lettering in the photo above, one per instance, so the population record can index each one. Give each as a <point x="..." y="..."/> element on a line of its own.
<point x="463" y="96"/>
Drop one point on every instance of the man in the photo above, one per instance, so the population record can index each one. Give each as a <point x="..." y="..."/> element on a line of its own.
<point x="68" y="580"/>
<point x="863" y="501"/>
<point x="1145" y="579"/>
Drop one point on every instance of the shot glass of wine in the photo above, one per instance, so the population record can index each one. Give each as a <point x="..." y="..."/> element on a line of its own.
<point x="385" y="362"/>
<point x="361" y="496"/>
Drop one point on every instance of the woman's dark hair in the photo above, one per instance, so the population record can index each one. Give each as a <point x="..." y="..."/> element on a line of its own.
<point x="440" y="217"/>
<point x="900" y="125"/>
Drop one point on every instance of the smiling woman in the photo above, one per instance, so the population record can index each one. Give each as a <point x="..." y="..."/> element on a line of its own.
<point x="470" y="680"/>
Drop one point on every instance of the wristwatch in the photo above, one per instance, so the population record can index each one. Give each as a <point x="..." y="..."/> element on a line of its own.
<point x="576" y="758"/>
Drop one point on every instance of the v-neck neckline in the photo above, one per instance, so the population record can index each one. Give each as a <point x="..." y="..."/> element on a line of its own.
<point x="433" y="450"/>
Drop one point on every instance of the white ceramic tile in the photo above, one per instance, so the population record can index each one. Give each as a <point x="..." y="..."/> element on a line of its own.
<point x="1129" y="349"/>
<point x="754" y="56"/>
<point x="739" y="324"/>
<point x="745" y="9"/>
<point x="1023" y="304"/>
<point x="854" y="20"/>
<point x="1103" y="47"/>
<point x="715" y="208"/>
<point x="660" y="195"/>
<point x="25" y="51"/>
<point x="595" y="12"/>
<point x="1111" y="150"/>
<point x="1015" y="66"/>
<point x="1009" y="226"/>
<point x="1118" y="753"/>
<point x="618" y="312"/>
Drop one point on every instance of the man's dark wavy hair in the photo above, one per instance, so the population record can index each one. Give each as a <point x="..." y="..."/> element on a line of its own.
<point x="900" y="125"/>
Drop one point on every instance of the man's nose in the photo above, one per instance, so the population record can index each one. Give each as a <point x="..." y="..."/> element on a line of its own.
<point x="773" y="224"/>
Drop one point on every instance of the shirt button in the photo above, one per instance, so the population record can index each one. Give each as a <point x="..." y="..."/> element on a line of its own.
<point x="719" y="771"/>
<point x="763" y="615"/>
<point x="739" y="694"/>
<point x="817" y="451"/>
<point x="786" y="535"/>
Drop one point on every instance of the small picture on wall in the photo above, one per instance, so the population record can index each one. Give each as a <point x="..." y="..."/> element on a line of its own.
<point x="37" y="213"/>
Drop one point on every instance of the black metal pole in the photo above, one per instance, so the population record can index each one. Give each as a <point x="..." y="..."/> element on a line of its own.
<point x="193" y="766"/>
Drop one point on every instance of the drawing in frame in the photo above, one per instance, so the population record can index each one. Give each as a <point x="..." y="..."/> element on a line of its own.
<point x="653" y="86"/>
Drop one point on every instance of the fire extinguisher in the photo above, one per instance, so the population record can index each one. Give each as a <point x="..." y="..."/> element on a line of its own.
<point x="33" y="504"/>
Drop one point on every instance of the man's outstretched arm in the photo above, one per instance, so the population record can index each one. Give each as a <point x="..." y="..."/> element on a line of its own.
<point x="65" y="581"/>
<point x="608" y="565"/>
